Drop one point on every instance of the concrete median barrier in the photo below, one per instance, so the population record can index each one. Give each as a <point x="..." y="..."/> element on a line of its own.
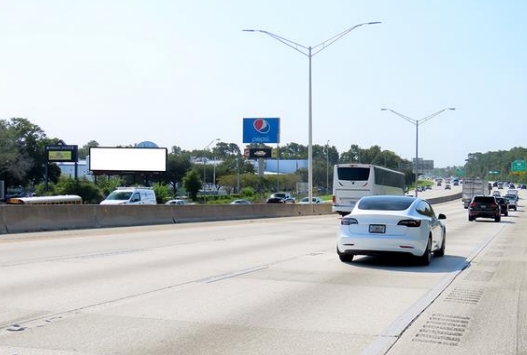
<point x="23" y="219"/>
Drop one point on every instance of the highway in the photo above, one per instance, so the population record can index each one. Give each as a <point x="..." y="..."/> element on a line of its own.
<point x="269" y="286"/>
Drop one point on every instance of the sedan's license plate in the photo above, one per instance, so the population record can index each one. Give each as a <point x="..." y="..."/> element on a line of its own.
<point x="483" y="206"/>
<point x="377" y="228"/>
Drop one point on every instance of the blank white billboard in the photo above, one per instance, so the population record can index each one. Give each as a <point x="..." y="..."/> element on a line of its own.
<point x="127" y="160"/>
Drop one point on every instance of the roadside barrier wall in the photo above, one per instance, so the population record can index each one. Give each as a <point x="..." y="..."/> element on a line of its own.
<point x="24" y="219"/>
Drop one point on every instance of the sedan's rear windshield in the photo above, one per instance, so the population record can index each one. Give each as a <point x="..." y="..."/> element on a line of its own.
<point x="487" y="199"/>
<point x="392" y="203"/>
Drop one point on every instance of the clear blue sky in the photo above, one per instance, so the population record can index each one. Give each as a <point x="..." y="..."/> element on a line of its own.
<point x="183" y="73"/>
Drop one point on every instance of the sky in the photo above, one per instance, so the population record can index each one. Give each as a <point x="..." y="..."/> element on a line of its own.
<point x="184" y="73"/>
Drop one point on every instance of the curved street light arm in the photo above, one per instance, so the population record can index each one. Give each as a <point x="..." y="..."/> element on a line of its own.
<point x="285" y="41"/>
<point x="321" y="46"/>
<point x="422" y="120"/>
<point x="434" y="114"/>
<point x="212" y="141"/>
<point x="315" y="49"/>
<point x="411" y="120"/>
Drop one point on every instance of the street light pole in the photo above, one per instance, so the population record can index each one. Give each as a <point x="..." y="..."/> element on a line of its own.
<point x="203" y="159"/>
<point x="327" y="167"/>
<point x="416" y="123"/>
<point x="310" y="52"/>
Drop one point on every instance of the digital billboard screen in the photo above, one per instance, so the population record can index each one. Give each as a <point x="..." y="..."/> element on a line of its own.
<point x="61" y="153"/>
<point x="127" y="160"/>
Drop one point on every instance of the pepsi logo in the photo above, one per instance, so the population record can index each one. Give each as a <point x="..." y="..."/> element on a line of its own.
<point x="261" y="126"/>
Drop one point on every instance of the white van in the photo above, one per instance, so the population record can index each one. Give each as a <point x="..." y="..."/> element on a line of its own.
<point x="131" y="196"/>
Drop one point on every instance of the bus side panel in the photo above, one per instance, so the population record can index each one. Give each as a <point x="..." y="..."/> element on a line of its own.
<point x="352" y="185"/>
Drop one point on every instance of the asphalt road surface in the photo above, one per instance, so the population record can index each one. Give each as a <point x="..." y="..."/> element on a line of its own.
<point x="271" y="286"/>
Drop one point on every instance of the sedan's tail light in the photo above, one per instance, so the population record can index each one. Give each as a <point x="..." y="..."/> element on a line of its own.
<point x="347" y="221"/>
<point x="410" y="223"/>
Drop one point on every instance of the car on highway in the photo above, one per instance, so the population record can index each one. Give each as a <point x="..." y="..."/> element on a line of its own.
<point x="496" y="193"/>
<point x="512" y="192"/>
<point x="240" y="202"/>
<point x="484" y="206"/>
<point x="504" y="205"/>
<point x="281" y="197"/>
<point x="315" y="199"/>
<point x="447" y="187"/>
<point x="513" y="201"/>
<point x="392" y="225"/>
<point x="131" y="196"/>
<point x="176" y="202"/>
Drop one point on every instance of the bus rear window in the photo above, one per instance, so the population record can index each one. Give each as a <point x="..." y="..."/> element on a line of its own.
<point x="353" y="174"/>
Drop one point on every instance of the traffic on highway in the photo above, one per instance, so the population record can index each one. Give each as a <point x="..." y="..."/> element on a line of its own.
<point x="266" y="286"/>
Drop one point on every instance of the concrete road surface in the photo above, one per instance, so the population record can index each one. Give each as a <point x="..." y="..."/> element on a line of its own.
<point x="271" y="286"/>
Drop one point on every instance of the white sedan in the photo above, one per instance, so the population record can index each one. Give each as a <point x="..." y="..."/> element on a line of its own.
<point x="384" y="225"/>
<point x="316" y="199"/>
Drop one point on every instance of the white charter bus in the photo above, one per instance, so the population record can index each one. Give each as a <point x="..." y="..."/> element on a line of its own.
<point x="352" y="181"/>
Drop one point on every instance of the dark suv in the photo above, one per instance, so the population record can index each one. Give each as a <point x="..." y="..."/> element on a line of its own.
<point x="281" y="197"/>
<point x="504" y="205"/>
<point x="485" y="207"/>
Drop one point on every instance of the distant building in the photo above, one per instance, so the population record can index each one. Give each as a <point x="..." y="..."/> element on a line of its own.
<point x="274" y="166"/>
<point x="68" y="169"/>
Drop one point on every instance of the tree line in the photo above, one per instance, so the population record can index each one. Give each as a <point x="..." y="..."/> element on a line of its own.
<point x="23" y="165"/>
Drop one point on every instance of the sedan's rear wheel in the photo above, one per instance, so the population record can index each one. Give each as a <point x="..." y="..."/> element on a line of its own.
<point x="470" y="218"/>
<point x="426" y="258"/>
<point x="441" y="251"/>
<point x="345" y="258"/>
<point x="497" y="218"/>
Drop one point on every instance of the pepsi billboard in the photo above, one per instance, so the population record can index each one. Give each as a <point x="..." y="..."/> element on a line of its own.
<point x="261" y="130"/>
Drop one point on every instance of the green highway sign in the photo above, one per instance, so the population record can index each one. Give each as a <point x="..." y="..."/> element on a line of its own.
<point x="518" y="166"/>
<point x="494" y="172"/>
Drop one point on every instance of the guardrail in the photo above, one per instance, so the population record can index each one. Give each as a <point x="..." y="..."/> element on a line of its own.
<point x="24" y="219"/>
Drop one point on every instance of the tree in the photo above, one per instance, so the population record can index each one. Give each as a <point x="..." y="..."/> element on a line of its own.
<point x="225" y="150"/>
<point x="293" y="151"/>
<point x="86" y="189"/>
<point x="353" y="155"/>
<point x="192" y="184"/>
<point x="177" y="167"/>
<point x="29" y="141"/>
<point x="12" y="169"/>
<point x="85" y="150"/>
<point x="162" y="193"/>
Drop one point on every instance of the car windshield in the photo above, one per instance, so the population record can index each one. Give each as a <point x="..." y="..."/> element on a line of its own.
<point x="384" y="203"/>
<point x="119" y="195"/>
